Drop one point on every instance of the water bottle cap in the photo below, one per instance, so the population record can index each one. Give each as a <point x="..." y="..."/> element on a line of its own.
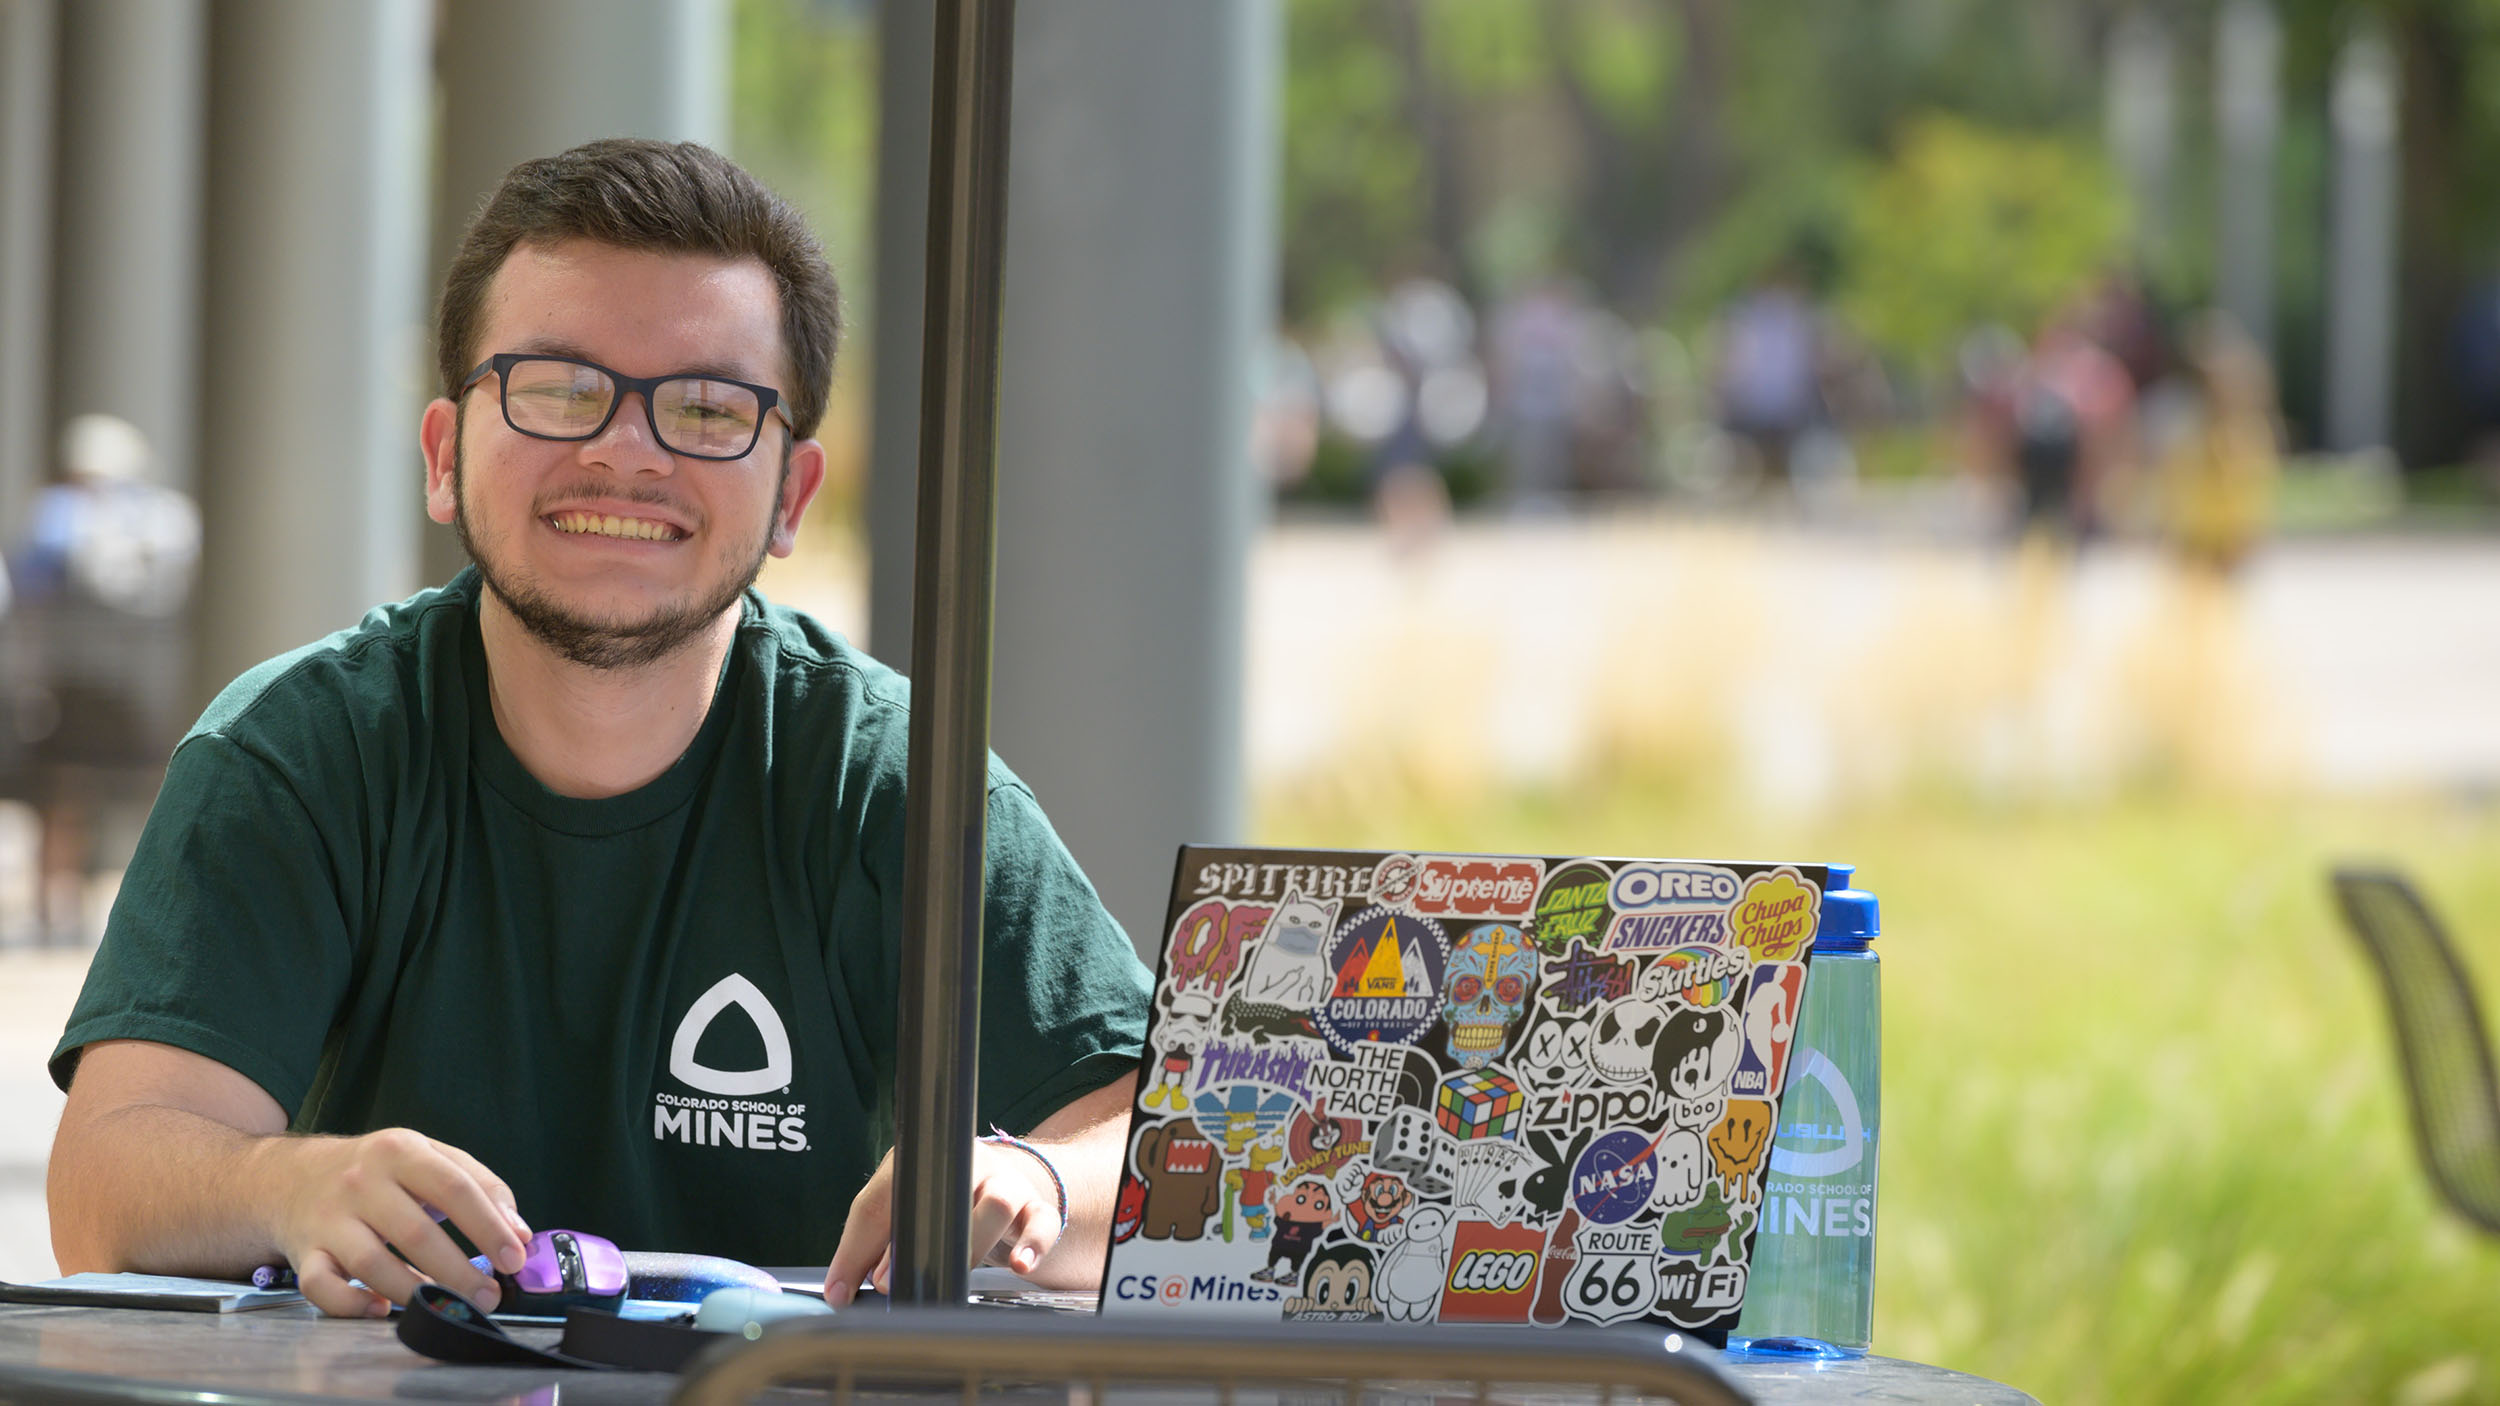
<point x="1838" y="876"/>
<point x="1850" y="919"/>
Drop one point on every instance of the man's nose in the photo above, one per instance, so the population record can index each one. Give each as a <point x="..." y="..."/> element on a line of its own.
<point x="629" y="444"/>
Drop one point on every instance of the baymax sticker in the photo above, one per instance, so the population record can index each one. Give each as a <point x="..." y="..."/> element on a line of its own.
<point x="1412" y="1274"/>
<point x="1774" y="920"/>
<point x="1778" y="994"/>
<point x="1387" y="982"/>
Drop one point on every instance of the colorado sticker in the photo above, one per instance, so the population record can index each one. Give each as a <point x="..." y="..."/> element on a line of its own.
<point x="1387" y="969"/>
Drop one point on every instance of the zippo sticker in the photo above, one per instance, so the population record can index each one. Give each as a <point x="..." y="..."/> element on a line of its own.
<point x="1388" y="979"/>
<point x="1774" y="921"/>
<point x="1778" y="993"/>
<point x="1492" y="1273"/>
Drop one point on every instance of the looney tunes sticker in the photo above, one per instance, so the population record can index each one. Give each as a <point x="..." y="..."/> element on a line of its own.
<point x="1479" y="1089"/>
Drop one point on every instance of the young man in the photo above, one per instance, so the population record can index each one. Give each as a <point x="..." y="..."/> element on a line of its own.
<point x="571" y="889"/>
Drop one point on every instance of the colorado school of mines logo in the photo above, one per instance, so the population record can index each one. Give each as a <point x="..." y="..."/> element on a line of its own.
<point x="732" y="1116"/>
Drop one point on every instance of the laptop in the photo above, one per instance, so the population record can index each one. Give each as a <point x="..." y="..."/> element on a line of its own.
<point x="1460" y="1088"/>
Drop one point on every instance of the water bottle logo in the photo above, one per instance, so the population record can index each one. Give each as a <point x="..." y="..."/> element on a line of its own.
<point x="1787" y="1161"/>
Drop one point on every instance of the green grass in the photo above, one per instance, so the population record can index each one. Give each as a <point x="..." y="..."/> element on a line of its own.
<point x="2143" y="1139"/>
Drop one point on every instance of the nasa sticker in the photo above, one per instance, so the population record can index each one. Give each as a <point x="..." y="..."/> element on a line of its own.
<point x="1613" y="1179"/>
<point x="1386" y="969"/>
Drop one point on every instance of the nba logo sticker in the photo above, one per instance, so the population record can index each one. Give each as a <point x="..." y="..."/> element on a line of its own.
<point x="1386" y="969"/>
<point x="1770" y="1029"/>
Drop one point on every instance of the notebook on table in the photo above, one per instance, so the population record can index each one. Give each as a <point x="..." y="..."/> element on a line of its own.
<point x="1488" y="1089"/>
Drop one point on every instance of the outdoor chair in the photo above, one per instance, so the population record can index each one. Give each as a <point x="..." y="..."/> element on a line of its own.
<point x="2439" y="1035"/>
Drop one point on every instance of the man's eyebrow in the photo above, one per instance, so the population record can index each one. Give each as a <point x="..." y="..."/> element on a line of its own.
<point x="717" y="370"/>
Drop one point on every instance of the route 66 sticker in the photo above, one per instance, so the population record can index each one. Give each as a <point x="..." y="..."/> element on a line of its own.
<point x="1609" y="1288"/>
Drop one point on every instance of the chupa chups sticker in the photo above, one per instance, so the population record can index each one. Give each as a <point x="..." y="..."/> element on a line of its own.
<point x="1774" y="919"/>
<point x="1388" y="971"/>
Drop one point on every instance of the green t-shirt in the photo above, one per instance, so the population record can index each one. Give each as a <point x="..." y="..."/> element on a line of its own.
<point x="666" y="1017"/>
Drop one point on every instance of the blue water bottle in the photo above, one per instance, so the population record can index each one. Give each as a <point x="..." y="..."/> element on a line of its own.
<point x="1811" y="1288"/>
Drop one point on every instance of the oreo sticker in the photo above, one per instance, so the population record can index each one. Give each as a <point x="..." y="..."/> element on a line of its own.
<point x="1613" y="1178"/>
<point x="1572" y="905"/>
<point x="1386" y="969"/>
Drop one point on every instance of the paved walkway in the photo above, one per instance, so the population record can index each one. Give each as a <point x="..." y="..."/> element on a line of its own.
<point x="35" y="995"/>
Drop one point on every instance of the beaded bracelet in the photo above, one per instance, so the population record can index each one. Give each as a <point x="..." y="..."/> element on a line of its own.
<point x="1007" y="1139"/>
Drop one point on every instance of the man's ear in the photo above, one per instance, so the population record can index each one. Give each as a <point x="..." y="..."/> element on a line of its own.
<point x="798" y="489"/>
<point x="438" y="436"/>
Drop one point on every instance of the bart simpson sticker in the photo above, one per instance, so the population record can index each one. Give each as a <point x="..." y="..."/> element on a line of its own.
<point x="1774" y="917"/>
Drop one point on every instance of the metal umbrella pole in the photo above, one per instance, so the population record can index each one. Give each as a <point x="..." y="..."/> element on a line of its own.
<point x="938" y="1024"/>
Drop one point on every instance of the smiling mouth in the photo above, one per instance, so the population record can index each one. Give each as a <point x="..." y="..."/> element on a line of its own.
<point x="637" y="529"/>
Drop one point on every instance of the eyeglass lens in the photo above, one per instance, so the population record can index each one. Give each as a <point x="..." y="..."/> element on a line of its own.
<point x="567" y="400"/>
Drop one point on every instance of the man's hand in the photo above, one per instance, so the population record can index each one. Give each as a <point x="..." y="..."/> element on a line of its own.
<point x="1015" y="1221"/>
<point x="168" y="1162"/>
<point x="1015" y="1209"/>
<point x="342" y="1205"/>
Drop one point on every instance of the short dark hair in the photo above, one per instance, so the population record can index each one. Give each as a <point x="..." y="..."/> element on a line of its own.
<point x="669" y="197"/>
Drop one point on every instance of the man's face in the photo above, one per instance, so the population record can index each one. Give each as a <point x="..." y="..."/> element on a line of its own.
<point x="688" y="535"/>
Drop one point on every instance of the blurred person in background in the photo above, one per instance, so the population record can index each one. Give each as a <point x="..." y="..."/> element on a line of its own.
<point x="2218" y="481"/>
<point x="2072" y="415"/>
<point x="97" y="659"/>
<point x="1770" y="365"/>
<point x="1535" y="336"/>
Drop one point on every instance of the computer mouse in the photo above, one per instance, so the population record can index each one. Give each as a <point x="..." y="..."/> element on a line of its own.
<point x="746" y="1311"/>
<point x="564" y="1269"/>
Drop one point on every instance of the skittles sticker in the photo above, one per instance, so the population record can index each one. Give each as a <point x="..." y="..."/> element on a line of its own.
<point x="1387" y="969"/>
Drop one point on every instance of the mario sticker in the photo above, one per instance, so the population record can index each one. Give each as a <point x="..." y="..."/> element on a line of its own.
<point x="1387" y="969"/>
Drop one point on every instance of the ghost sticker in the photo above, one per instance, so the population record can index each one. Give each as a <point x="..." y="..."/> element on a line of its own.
<point x="1386" y="979"/>
<point x="1681" y="1169"/>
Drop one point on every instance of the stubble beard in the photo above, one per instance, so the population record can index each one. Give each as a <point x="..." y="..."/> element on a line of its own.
<point x="594" y="643"/>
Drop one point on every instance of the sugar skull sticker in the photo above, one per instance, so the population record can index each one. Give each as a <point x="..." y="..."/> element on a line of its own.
<point x="1491" y="970"/>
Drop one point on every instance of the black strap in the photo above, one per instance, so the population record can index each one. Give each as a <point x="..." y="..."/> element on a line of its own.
<point x="448" y="1328"/>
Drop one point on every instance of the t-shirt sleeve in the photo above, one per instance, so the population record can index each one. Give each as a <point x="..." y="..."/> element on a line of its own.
<point x="1063" y="996"/>
<point x="228" y="937"/>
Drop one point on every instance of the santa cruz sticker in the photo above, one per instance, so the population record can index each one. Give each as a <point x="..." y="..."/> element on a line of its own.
<point x="1386" y="970"/>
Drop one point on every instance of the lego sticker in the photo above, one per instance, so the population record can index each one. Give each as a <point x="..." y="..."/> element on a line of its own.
<point x="1492" y="1273"/>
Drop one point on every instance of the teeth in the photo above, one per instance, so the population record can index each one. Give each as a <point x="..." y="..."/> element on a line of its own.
<point x="610" y="525"/>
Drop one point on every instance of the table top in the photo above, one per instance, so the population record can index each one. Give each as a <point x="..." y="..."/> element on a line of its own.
<point x="292" y="1355"/>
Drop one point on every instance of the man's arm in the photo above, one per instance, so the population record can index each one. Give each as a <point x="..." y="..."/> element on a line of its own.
<point x="168" y="1162"/>
<point x="1015" y="1210"/>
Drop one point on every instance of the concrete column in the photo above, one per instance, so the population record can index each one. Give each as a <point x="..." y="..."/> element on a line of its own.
<point x="27" y="49"/>
<point x="2361" y="247"/>
<point x="906" y="53"/>
<point x="2248" y="117"/>
<point x="126" y="259"/>
<point x="2140" y="118"/>
<point x="1139" y="284"/>
<point x="527" y="78"/>
<point x="314" y="343"/>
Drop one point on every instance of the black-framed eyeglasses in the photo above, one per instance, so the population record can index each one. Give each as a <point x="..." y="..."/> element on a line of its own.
<point x="567" y="398"/>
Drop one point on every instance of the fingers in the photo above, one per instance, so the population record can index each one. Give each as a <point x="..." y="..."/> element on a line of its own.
<point x="321" y="1280"/>
<point x="867" y="1236"/>
<point x="397" y="1194"/>
<point x="492" y="1220"/>
<point x="1011" y="1222"/>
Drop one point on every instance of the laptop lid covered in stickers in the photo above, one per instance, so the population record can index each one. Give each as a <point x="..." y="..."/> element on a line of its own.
<point x="1495" y="1089"/>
